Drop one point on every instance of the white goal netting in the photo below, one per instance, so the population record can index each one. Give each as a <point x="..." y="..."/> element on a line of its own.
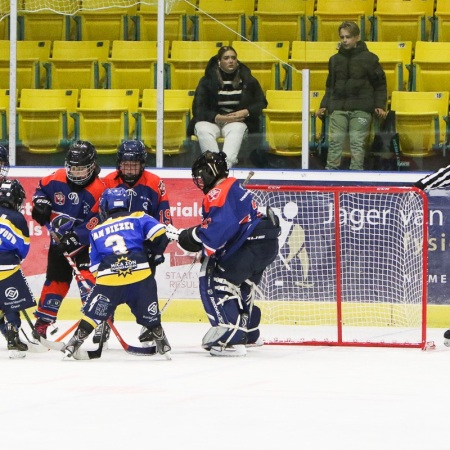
<point x="351" y="268"/>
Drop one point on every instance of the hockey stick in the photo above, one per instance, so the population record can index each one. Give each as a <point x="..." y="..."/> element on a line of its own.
<point x="249" y="176"/>
<point x="34" y="347"/>
<point x="46" y="343"/>
<point x="67" y="332"/>
<point x="138" y="351"/>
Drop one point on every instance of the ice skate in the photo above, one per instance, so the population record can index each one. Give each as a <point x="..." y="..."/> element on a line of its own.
<point x="149" y="343"/>
<point x="17" y="349"/>
<point x="258" y="343"/>
<point x="72" y="346"/>
<point x="229" y="350"/>
<point x="40" y="329"/>
<point x="157" y="334"/>
<point x="98" y="333"/>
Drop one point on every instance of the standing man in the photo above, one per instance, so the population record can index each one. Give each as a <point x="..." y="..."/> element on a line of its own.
<point x="237" y="244"/>
<point x="355" y="89"/>
<point x="67" y="202"/>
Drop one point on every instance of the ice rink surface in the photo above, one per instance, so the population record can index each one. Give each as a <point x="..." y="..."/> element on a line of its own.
<point x="275" y="398"/>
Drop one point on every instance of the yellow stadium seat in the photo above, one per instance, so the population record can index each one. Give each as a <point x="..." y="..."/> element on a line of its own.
<point x="282" y="21"/>
<point x="421" y="121"/>
<point x="394" y="58"/>
<point x="44" y="122"/>
<point x="329" y="14"/>
<point x="95" y="22"/>
<point x="402" y="20"/>
<point x="441" y="28"/>
<point x="30" y="57"/>
<point x="105" y="117"/>
<point x="37" y="22"/>
<point x="132" y="64"/>
<point x="4" y="116"/>
<point x="313" y="56"/>
<point x="431" y="67"/>
<point x="77" y="64"/>
<point x="187" y="62"/>
<point x="4" y="15"/>
<point x="283" y="121"/>
<point x="226" y="20"/>
<point x="264" y="59"/>
<point x="177" y="23"/>
<point x="177" y="113"/>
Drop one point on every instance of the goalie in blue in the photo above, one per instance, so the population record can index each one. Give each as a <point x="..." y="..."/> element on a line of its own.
<point x="119" y="252"/>
<point x="237" y="242"/>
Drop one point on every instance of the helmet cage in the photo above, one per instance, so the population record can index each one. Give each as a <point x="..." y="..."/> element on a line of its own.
<point x="133" y="152"/>
<point x="12" y="194"/>
<point x="208" y="169"/>
<point x="80" y="162"/>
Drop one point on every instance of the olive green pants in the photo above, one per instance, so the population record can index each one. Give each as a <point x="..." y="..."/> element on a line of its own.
<point x="348" y="129"/>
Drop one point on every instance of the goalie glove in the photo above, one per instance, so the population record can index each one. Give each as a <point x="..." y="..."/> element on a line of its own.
<point x="42" y="209"/>
<point x="173" y="233"/>
<point x="69" y="243"/>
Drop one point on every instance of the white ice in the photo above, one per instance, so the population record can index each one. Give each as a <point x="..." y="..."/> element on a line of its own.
<point x="308" y="398"/>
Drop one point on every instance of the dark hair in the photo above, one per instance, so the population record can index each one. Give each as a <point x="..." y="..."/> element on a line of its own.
<point x="237" y="77"/>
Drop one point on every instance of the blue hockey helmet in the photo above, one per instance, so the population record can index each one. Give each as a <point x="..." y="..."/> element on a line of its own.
<point x="133" y="151"/>
<point x="112" y="200"/>
<point x="4" y="162"/>
<point x="12" y="194"/>
<point x="208" y="169"/>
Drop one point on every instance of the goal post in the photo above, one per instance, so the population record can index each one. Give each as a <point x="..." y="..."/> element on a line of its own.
<point x="351" y="269"/>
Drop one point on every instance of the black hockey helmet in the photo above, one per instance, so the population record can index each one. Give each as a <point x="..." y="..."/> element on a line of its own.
<point x="12" y="194"/>
<point x="133" y="151"/>
<point x="208" y="169"/>
<point x="4" y="162"/>
<point x="112" y="200"/>
<point x="81" y="162"/>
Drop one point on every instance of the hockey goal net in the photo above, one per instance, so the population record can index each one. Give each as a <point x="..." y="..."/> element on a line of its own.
<point x="351" y="270"/>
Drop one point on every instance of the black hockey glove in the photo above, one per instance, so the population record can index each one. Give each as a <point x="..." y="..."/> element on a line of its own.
<point x="41" y="211"/>
<point x="155" y="260"/>
<point x="69" y="243"/>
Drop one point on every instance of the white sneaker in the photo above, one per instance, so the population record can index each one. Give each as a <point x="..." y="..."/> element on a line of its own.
<point x="232" y="350"/>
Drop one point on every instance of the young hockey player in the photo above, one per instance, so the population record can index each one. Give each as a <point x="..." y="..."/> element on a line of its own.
<point x="147" y="191"/>
<point x="119" y="251"/>
<point x="67" y="202"/>
<point x="237" y="243"/>
<point x="14" y="247"/>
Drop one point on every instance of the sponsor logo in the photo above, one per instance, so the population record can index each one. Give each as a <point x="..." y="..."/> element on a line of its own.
<point x="59" y="198"/>
<point x="11" y="293"/>
<point x="124" y="266"/>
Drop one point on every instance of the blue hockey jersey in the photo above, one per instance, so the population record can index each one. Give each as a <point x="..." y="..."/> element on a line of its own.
<point x="119" y="247"/>
<point x="79" y="204"/>
<point x="14" y="241"/>
<point x="230" y="214"/>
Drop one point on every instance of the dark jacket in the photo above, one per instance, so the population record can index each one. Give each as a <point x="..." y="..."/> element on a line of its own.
<point x="205" y="106"/>
<point x="356" y="81"/>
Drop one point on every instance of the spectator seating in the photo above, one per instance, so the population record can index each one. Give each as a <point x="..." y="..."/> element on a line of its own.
<point x="177" y="113"/>
<point x="44" y="122"/>
<point x="283" y="121"/>
<point x="431" y="67"/>
<point x="30" y="57"/>
<point x="441" y="22"/>
<point x="187" y="62"/>
<point x="288" y="20"/>
<point x="264" y="59"/>
<point x="402" y="20"/>
<point x="132" y="64"/>
<point x="421" y="121"/>
<point x="4" y="116"/>
<point x="225" y="20"/>
<point x="105" y="117"/>
<point x="77" y="64"/>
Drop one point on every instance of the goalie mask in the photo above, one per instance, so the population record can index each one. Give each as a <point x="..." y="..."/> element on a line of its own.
<point x="81" y="162"/>
<point x="208" y="169"/>
<point x="4" y="162"/>
<point x="12" y="194"/>
<point x="130" y="164"/>
<point x="113" y="200"/>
